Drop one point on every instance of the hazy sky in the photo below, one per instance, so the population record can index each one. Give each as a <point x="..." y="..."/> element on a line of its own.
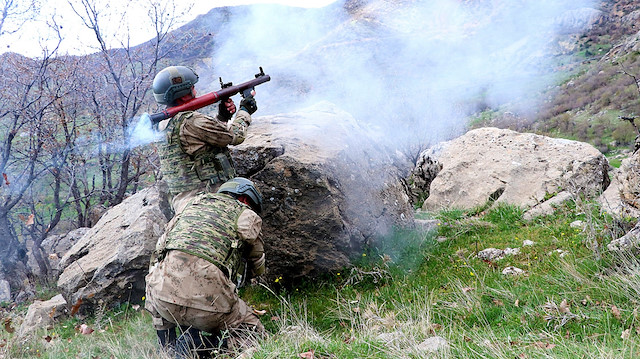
<point x="79" y="40"/>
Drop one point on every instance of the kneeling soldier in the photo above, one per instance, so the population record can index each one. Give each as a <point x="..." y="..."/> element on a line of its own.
<point x="207" y="251"/>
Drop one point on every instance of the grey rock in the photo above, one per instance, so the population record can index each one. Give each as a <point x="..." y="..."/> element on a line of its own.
<point x="548" y="207"/>
<point x="629" y="241"/>
<point x="56" y="246"/>
<point x="5" y="291"/>
<point x="42" y="314"/>
<point x="577" y="224"/>
<point x="511" y="251"/>
<point x="560" y="252"/>
<point x="391" y="339"/>
<point x="433" y="345"/>
<point x="110" y="261"/>
<point x="513" y="271"/>
<point x="60" y="244"/>
<point x="621" y="197"/>
<point x="504" y="166"/>
<point x="326" y="197"/>
<point x="491" y="254"/>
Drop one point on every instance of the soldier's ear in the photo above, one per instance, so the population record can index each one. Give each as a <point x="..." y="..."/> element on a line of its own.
<point x="246" y="200"/>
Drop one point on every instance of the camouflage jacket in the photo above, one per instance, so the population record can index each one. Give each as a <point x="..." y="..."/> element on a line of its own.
<point x="218" y="228"/>
<point x="195" y="154"/>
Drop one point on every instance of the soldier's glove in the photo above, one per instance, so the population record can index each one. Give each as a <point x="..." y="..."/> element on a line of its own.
<point x="249" y="104"/>
<point x="226" y="109"/>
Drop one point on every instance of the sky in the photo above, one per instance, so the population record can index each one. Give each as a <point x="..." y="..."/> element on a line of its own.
<point x="29" y="40"/>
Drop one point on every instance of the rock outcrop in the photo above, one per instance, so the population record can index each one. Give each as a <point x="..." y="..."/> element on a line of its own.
<point x="109" y="262"/>
<point x="504" y="166"/>
<point x="328" y="190"/>
<point x="622" y="198"/>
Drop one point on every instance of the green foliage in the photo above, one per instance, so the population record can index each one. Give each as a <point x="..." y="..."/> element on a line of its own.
<point x="482" y="119"/>
<point x="410" y="287"/>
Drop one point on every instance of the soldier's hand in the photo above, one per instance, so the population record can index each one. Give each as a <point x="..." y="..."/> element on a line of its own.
<point x="226" y="109"/>
<point x="249" y="104"/>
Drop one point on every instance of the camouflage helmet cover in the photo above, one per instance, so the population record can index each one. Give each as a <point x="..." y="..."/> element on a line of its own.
<point x="173" y="82"/>
<point x="241" y="186"/>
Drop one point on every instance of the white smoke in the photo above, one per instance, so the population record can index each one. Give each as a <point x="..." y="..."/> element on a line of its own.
<point x="410" y="67"/>
<point x="141" y="132"/>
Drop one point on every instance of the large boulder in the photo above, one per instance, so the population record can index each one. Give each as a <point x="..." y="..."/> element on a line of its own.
<point x="329" y="190"/>
<point x="503" y="166"/>
<point x="109" y="262"/>
<point x="622" y="200"/>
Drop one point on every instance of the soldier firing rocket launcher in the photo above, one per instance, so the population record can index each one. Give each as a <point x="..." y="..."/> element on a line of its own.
<point x="227" y="90"/>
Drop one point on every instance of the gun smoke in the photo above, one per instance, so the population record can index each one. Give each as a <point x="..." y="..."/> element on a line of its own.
<point x="412" y="70"/>
<point x="415" y="69"/>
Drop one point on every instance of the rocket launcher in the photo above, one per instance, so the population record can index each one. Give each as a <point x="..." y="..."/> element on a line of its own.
<point x="227" y="90"/>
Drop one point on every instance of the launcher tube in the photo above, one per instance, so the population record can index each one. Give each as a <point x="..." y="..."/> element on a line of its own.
<point x="210" y="98"/>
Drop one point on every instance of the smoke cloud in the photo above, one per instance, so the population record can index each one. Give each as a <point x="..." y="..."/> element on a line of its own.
<point x="415" y="69"/>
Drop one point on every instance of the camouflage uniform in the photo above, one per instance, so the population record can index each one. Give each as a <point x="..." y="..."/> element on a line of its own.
<point x="200" y="259"/>
<point x="195" y="156"/>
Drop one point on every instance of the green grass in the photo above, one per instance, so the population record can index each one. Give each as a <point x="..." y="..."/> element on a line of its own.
<point x="413" y="286"/>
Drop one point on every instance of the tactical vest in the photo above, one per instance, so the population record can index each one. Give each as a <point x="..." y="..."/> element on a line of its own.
<point x="208" y="228"/>
<point x="184" y="172"/>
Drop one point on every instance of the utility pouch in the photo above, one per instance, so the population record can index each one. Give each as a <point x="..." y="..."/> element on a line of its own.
<point x="226" y="170"/>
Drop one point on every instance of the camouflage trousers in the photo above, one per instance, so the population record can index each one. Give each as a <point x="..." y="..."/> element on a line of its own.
<point x="189" y="291"/>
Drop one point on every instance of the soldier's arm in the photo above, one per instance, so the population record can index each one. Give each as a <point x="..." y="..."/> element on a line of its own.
<point x="249" y="229"/>
<point x="200" y="130"/>
<point x="239" y="126"/>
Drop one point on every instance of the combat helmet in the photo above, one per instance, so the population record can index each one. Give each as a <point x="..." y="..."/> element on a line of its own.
<point x="172" y="83"/>
<point x="241" y="186"/>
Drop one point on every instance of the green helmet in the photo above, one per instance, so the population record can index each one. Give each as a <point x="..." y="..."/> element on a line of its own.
<point x="241" y="186"/>
<point x="172" y="83"/>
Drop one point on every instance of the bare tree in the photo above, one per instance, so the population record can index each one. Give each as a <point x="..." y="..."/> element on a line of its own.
<point x="15" y="13"/>
<point x="65" y="132"/>
<point x="53" y="192"/>
<point x="120" y="92"/>
<point x="631" y="119"/>
<point x="26" y="105"/>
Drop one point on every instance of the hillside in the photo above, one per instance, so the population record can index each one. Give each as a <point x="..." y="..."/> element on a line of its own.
<point x="594" y="88"/>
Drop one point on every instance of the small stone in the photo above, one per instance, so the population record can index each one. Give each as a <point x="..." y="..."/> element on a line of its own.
<point x="433" y="345"/>
<point x="511" y="251"/>
<point x="491" y="254"/>
<point x="561" y="252"/>
<point x="577" y="224"/>
<point x="512" y="271"/>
